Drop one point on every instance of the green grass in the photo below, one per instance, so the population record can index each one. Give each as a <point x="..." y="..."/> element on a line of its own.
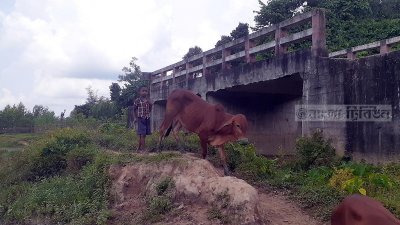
<point x="12" y="142"/>
<point x="61" y="177"/>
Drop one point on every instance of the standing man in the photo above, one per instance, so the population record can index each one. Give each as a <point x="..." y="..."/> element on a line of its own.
<point x="142" y="107"/>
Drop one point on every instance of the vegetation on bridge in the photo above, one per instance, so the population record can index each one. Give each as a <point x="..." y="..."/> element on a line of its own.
<point x="349" y="22"/>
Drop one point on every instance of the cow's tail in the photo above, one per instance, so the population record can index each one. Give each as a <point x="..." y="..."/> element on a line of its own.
<point x="168" y="131"/>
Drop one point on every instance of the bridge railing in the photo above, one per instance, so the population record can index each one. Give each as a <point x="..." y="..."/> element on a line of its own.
<point x="384" y="47"/>
<point x="242" y="50"/>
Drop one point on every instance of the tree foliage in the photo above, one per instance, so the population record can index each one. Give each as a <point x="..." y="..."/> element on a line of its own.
<point x="242" y="30"/>
<point x="192" y="52"/>
<point x="115" y="92"/>
<point x="224" y="39"/>
<point x="121" y="95"/>
<point x="131" y="73"/>
<point x="18" y="116"/>
<point x="275" y="11"/>
<point x="97" y="107"/>
<point x="132" y="80"/>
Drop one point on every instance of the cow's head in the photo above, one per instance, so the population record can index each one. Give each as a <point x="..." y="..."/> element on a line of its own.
<point x="240" y="126"/>
<point x="232" y="130"/>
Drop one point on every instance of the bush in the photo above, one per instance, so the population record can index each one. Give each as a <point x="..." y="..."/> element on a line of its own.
<point x="314" y="151"/>
<point x="79" y="157"/>
<point x="245" y="160"/>
<point x="51" y="158"/>
<point x="81" y="199"/>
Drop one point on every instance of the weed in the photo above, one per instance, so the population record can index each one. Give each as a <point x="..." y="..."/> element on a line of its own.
<point x="161" y="202"/>
<point x="163" y="185"/>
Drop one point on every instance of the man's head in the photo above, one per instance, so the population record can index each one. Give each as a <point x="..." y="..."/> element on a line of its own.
<point x="143" y="91"/>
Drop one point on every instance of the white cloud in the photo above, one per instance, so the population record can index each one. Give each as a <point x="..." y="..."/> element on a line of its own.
<point x="50" y="51"/>
<point x="7" y="98"/>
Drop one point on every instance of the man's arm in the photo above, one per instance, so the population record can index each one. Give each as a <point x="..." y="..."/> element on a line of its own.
<point x="135" y="113"/>
<point x="150" y="104"/>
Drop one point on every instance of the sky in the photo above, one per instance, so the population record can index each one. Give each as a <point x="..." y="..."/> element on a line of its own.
<point x="52" y="50"/>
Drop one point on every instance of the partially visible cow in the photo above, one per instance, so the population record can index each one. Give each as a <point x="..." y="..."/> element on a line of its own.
<point x="362" y="210"/>
<point x="210" y="122"/>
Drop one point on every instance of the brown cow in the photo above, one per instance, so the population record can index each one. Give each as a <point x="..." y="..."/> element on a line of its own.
<point x="210" y="122"/>
<point x="362" y="210"/>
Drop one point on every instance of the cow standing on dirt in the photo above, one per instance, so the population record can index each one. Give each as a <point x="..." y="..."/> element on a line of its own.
<point x="362" y="210"/>
<point x="210" y="122"/>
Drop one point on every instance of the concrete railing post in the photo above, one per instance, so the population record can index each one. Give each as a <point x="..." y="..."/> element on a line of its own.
<point x="280" y="33"/>
<point x="319" y="33"/>
<point x="350" y="54"/>
<point x="205" y="61"/>
<point x="225" y="53"/>
<point x="187" y="66"/>
<point x="384" y="48"/>
<point x="248" y="44"/>
<point x="174" y="71"/>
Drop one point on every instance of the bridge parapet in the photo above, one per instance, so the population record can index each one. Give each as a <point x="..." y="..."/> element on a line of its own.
<point x="384" y="47"/>
<point x="242" y="50"/>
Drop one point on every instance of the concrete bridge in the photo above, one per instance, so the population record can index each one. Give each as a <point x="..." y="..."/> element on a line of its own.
<point x="267" y="90"/>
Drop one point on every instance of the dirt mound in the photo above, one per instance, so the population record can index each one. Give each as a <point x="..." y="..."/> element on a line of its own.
<point x="200" y="195"/>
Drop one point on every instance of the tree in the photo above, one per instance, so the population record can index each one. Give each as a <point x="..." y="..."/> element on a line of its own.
<point x="242" y="30"/>
<point x="224" y="39"/>
<point x="43" y="116"/>
<point x="16" y="116"/>
<point x="192" y="52"/>
<point x="275" y="11"/>
<point x="115" y="92"/>
<point x="131" y="73"/>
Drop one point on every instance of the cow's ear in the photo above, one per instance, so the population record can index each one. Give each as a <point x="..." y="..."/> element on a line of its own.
<point x="228" y="124"/>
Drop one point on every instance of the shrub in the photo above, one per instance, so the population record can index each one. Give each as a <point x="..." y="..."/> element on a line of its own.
<point x="80" y="199"/>
<point x="245" y="159"/>
<point x="77" y="158"/>
<point x="314" y="151"/>
<point x="51" y="158"/>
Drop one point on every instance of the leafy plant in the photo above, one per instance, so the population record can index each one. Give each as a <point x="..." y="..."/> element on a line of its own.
<point x="314" y="151"/>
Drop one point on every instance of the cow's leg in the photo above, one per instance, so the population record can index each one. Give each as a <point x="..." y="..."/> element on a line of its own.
<point x="167" y="122"/>
<point x="177" y="138"/>
<point x="203" y="142"/>
<point x="222" y="155"/>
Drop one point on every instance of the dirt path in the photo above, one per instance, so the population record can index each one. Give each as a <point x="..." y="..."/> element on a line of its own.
<point x="278" y="211"/>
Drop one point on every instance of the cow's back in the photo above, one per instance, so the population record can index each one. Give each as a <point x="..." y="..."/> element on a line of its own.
<point x="194" y="113"/>
<point x="362" y="210"/>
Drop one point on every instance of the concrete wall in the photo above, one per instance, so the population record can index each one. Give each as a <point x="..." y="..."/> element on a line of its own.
<point x="374" y="80"/>
<point x="371" y="80"/>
